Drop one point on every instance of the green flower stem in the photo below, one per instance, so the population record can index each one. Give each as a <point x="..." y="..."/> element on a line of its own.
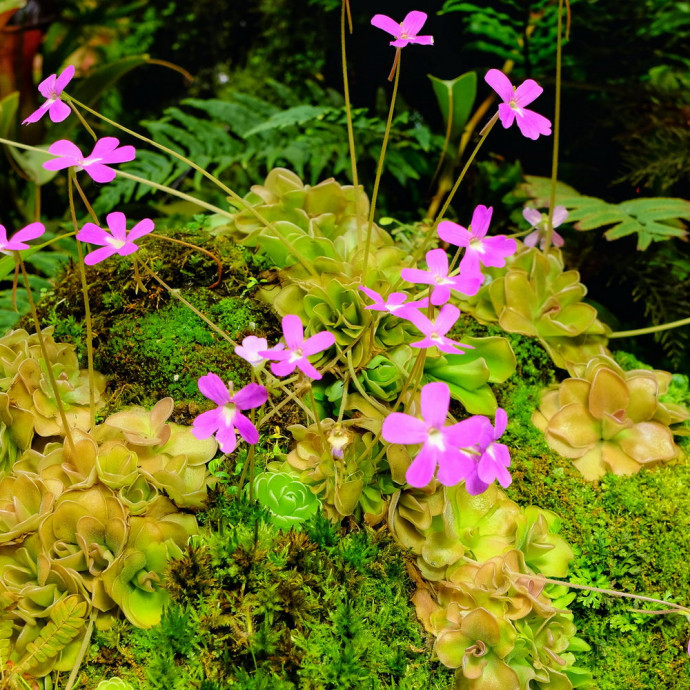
<point x="230" y="192"/>
<point x="85" y="294"/>
<point x="205" y="319"/>
<point x="343" y="402"/>
<point x="44" y="352"/>
<point x="194" y="246"/>
<point x="346" y="92"/>
<point x="82" y="651"/>
<point x="556" y="129"/>
<point x="86" y="125"/>
<point x="379" y="169"/>
<point x="651" y="329"/>
<point x="360" y="388"/>
<point x="315" y="412"/>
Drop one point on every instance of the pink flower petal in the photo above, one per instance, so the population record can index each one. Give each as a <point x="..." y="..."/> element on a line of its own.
<point x="59" y="111"/>
<point x="500" y="84"/>
<point x="533" y="124"/>
<point x="532" y="216"/>
<point x="293" y="332"/>
<point x="3" y="236"/>
<point x="104" y="146"/>
<point x="381" y="21"/>
<point x="476" y="430"/>
<point x="531" y="239"/>
<point x="37" y="114"/>
<point x="93" y="235"/>
<point x="252" y="395"/>
<point x="528" y="91"/>
<point x="98" y="255"/>
<point x="30" y="232"/>
<point x="454" y="234"/>
<point x="399" y="427"/>
<point x="143" y="227"/>
<point x="454" y="466"/>
<point x="128" y="248"/>
<point x="560" y="215"/>
<point x="501" y="422"/>
<point x="435" y="402"/>
<point x="308" y="369"/>
<point x="64" y="79"/>
<point x="422" y="40"/>
<point x="440" y="295"/>
<point x="63" y="147"/>
<point x="207" y="423"/>
<point x="122" y="155"/>
<point x="417" y="275"/>
<point x="372" y="295"/>
<point x="446" y="318"/>
<point x="100" y="173"/>
<point x="481" y="219"/>
<point x="227" y="438"/>
<point x="437" y="261"/>
<point x="506" y="114"/>
<point x="557" y="240"/>
<point x="474" y="485"/>
<point x="497" y="249"/>
<point x="422" y="469"/>
<point x="212" y="387"/>
<point x="47" y="86"/>
<point x="318" y="343"/>
<point x="283" y="368"/>
<point x="247" y="430"/>
<point x="413" y="23"/>
<point x="117" y="224"/>
<point x="468" y="284"/>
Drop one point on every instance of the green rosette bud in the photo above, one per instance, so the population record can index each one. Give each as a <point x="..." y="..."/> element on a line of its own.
<point x="114" y="684"/>
<point x="289" y="501"/>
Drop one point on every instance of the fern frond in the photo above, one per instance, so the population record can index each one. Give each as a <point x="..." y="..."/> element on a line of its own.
<point x="6" y="630"/>
<point x="66" y="621"/>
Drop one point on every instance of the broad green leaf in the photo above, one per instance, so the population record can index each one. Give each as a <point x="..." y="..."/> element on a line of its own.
<point x="8" y="115"/>
<point x="456" y="98"/>
<point x="31" y="163"/>
<point x="9" y="5"/>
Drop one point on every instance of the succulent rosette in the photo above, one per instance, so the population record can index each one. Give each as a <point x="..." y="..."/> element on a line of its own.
<point x="288" y="500"/>
<point x="607" y="419"/>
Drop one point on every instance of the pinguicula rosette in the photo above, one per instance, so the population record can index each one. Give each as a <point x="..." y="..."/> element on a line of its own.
<point x="106" y="152"/>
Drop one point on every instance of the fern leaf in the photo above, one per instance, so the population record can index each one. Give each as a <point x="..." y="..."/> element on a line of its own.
<point x="66" y="621"/>
<point x="298" y="115"/>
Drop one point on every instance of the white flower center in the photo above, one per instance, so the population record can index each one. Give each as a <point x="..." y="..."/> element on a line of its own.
<point x="477" y="246"/>
<point x="229" y="410"/>
<point x="88" y="161"/>
<point x="113" y="242"/>
<point x="296" y="355"/>
<point x="436" y="438"/>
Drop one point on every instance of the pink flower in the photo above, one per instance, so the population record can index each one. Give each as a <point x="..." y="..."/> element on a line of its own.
<point x="18" y="241"/>
<point x="298" y="349"/>
<point x="435" y="331"/>
<point x="227" y="418"/>
<point x="51" y="88"/>
<point x="540" y="221"/>
<point x="394" y="304"/>
<point x="405" y="32"/>
<point x="437" y="276"/>
<point x="493" y="461"/>
<point x="479" y="249"/>
<point x="441" y="444"/>
<point x="117" y="241"/>
<point x="251" y="348"/>
<point x="515" y="99"/>
<point x="104" y="153"/>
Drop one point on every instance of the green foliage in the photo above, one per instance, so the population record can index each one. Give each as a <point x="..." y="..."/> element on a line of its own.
<point x="288" y="500"/>
<point x="246" y="136"/>
<point x="652" y="220"/>
<point x="281" y="609"/>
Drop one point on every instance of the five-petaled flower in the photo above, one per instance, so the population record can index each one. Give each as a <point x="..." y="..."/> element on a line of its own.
<point x="226" y="419"/>
<point x="479" y="249"/>
<point x="435" y="331"/>
<point x="437" y="276"/>
<point x="51" y="88"/>
<point x="105" y="153"/>
<point x="394" y="304"/>
<point x="117" y="241"/>
<point x="18" y="241"/>
<point x="405" y="32"/>
<point x="515" y="99"/>
<point x="494" y="458"/>
<point x="298" y="349"/>
<point x="442" y="445"/>
<point x="540" y="221"/>
<point x="251" y="348"/>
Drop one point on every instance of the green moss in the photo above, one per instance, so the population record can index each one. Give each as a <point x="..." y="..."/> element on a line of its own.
<point x="254" y="607"/>
<point x="627" y="536"/>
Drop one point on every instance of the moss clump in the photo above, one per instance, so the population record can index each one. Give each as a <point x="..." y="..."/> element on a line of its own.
<point x="626" y="536"/>
<point x="256" y="607"/>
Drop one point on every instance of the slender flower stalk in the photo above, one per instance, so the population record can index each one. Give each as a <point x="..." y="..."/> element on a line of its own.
<point x="87" y="309"/>
<point x="556" y="129"/>
<point x="379" y="170"/>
